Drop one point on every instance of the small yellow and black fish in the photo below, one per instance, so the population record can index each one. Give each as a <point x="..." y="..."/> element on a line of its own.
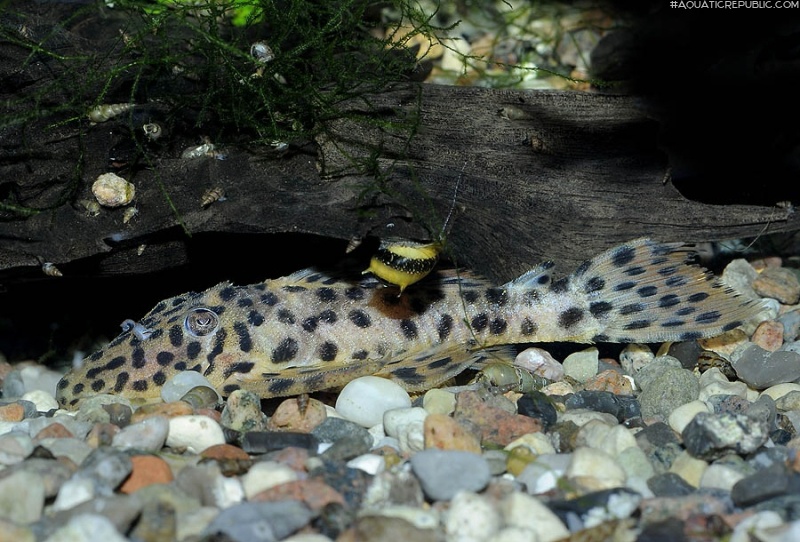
<point x="402" y="262"/>
<point x="310" y="331"/>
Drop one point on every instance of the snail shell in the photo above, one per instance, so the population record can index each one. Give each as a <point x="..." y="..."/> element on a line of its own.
<point x="211" y="195"/>
<point x="152" y="131"/>
<point x="129" y="214"/>
<point x="111" y="190"/>
<point x="198" y="151"/>
<point x="262" y="52"/>
<point x="50" y="269"/>
<point x="201" y="397"/>
<point x="104" y="112"/>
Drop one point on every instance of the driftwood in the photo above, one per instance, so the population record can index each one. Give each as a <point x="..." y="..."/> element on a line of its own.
<point x="530" y="175"/>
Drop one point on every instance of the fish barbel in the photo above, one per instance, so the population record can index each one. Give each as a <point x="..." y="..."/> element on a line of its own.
<point x="310" y="331"/>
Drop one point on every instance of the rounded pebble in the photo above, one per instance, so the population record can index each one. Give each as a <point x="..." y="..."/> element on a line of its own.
<point x="540" y="362"/>
<point x="582" y="365"/>
<point x="443" y="473"/>
<point x="194" y="433"/>
<point x="365" y="400"/>
<point x="149" y="434"/>
<point x="471" y="518"/>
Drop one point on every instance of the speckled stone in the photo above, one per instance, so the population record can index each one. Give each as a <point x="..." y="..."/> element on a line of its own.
<point x="288" y="417"/>
<point x="667" y="391"/>
<point x="635" y="356"/>
<point x="497" y="426"/>
<point x="622" y="407"/>
<point x="445" y="433"/>
<point x="471" y="518"/>
<point x="768" y="335"/>
<point x="710" y="436"/>
<point x="778" y="283"/>
<point x="242" y="412"/>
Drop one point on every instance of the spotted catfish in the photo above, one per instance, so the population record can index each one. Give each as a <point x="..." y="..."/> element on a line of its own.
<point x="310" y="331"/>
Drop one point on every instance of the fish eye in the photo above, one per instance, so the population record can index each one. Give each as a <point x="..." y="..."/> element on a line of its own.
<point x="201" y="322"/>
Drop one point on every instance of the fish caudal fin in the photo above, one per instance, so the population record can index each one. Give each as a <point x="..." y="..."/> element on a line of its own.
<point x="644" y="291"/>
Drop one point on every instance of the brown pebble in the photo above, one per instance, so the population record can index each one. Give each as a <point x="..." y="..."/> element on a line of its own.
<point x="293" y="457"/>
<point x="445" y="433"/>
<point x="147" y="470"/>
<point x="287" y="416"/>
<point x="13" y="412"/>
<point x="314" y="492"/>
<point x="54" y="430"/>
<point x="768" y="335"/>
<point x="497" y="426"/>
<point x="778" y="283"/>
<point x="610" y="380"/>
<point x="222" y="452"/>
<point x="102" y="434"/>
<point x="169" y="410"/>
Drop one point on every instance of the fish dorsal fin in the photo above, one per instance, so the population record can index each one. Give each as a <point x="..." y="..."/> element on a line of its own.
<point x="539" y="276"/>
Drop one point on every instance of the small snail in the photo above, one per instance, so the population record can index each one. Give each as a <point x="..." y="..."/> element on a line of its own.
<point x="50" y="269"/>
<point x="104" y="112"/>
<point x="152" y="131"/>
<point x="211" y="195"/>
<point x="129" y="214"/>
<point x="506" y="377"/>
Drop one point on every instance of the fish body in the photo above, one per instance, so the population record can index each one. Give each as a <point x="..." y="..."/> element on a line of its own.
<point x="311" y="331"/>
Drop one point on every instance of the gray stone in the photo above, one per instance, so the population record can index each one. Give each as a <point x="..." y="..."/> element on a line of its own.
<point x="774" y="481"/>
<point x="443" y="473"/>
<point x="260" y="521"/>
<point x="652" y="370"/>
<point x="668" y="390"/>
<point x="760" y="369"/>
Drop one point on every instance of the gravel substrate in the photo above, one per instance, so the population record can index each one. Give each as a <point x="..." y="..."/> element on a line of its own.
<point x="694" y="441"/>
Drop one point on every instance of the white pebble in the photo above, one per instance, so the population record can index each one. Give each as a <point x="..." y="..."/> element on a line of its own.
<point x="514" y="534"/>
<point x="612" y="440"/>
<point x="407" y="426"/>
<point x="421" y="518"/>
<point x="194" y="432"/>
<point x="720" y="476"/>
<point x="180" y="384"/>
<point x="545" y="473"/>
<point x="73" y="492"/>
<point x="44" y="401"/>
<point x="748" y="529"/>
<point x="582" y="416"/>
<point x="595" y="469"/>
<point x="438" y="401"/>
<point x="364" y="400"/>
<point x="538" y="443"/>
<point x="689" y="468"/>
<point x="369" y="463"/>
<point x="264" y="475"/>
<point x="779" y="390"/>
<point x="681" y="416"/>
<point x="540" y="362"/>
<point x="471" y="518"/>
<point x="521" y="510"/>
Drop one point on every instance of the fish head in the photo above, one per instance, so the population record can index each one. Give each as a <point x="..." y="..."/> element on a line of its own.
<point x="183" y="333"/>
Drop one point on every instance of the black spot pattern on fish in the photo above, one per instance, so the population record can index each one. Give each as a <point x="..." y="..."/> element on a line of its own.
<point x="122" y="379"/>
<point x="359" y="354"/>
<point x="164" y="358"/>
<point x="354" y="293"/>
<point x="528" y="327"/>
<point x="600" y="309"/>
<point x="139" y="385"/>
<point x="409" y="329"/>
<point x="255" y="318"/>
<point x="631" y="308"/>
<point x="439" y="363"/>
<point x="570" y="317"/>
<point x="623" y="255"/>
<point x="560" y="286"/>
<point x="98" y="385"/>
<point x="219" y="345"/>
<point x="637" y="324"/>
<point x="137" y="358"/>
<point x="176" y="336"/>
<point x="328" y="317"/>
<point x="444" y="327"/>
<point x="285" y="351"/>
<point x="245" y="342"/>
<point x="698" y="297"/>
<point x="244" y="302"/>
<point x="240" y="367"/>
<point x="227" y="293"/>
<point x="285" y="316"/>
<point x="279" y="386"/>
<point x="594" y="284"/>
<point x="409" y="375"/>
<point x="159" y="378"/>
<point x="193" y="350"/>
<point x="496" y="296"/>
<point x="328" y="351"/>
<point x="669" y="300"/>
<point x="269" y="299"/>
<point x="360" y="318"/>
<point x="327" y="295"/>
<point x="497" y="326"/>
<point x="310" y="324"/>
<point x="647" y="291"/>
<point x="480" y="322"/>
<point x="623" y="286"/>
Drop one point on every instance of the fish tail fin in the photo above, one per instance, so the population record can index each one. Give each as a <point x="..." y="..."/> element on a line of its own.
<point x="645" y="291"/>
